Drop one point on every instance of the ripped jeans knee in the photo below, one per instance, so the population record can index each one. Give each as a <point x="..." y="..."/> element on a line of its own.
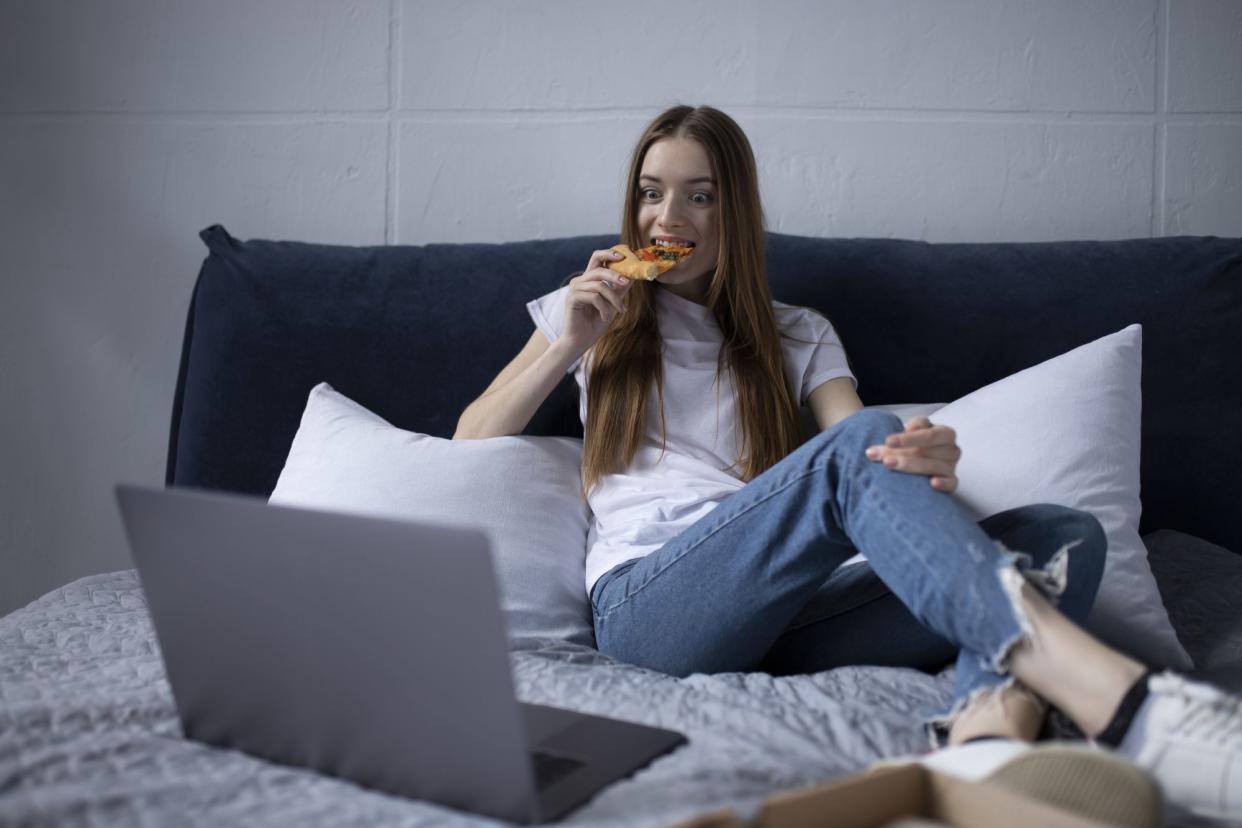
<point x="1064" y="567"/>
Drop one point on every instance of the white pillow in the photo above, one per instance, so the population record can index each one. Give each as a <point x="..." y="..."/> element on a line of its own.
<point x="1067" y="431"/>
<point x="523" y="492"/>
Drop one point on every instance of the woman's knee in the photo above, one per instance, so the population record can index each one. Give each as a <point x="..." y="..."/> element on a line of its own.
<point x="1076" y="530"/>
<point x="1040" y="530"/>
<point x="865" y="427"/>
<point x="1071" y="541"/>
<point x="1087" y="545"/>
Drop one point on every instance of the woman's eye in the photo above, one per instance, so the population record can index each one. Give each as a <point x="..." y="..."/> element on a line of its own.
<point x="701" y="198"/>
<point x="648" y="194"/>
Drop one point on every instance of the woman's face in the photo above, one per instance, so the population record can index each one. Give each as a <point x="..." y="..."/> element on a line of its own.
<point x="677" y="201"/>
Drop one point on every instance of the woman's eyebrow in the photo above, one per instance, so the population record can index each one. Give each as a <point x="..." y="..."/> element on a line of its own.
<point x="688" y="180"/>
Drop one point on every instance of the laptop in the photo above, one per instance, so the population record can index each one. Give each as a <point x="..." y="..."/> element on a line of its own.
<point x="365" y="648"/>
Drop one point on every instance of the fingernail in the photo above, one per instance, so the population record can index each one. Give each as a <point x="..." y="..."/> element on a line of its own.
<point x="893" y="441"/>
<point x="889" y="462"/>
<point x="872" y="452"/>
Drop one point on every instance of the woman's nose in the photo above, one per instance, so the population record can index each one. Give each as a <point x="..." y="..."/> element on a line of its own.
<point x="670" y="216"/>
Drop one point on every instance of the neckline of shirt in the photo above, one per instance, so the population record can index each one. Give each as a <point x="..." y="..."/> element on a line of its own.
<point x="701" y="316"/>
<point x="686" y="307"/>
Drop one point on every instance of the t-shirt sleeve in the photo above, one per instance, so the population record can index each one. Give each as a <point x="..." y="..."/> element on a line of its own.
<point x="821" y="357"/>
<point x="548" y="314"/>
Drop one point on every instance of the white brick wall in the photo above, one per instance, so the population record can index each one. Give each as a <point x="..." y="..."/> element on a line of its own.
<point x="127" y="126"/>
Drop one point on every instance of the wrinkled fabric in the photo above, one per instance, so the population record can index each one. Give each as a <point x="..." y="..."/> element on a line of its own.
<point x="687" y="462"/>
<point x="720" y="596"/>
<point x="89" y="734"/>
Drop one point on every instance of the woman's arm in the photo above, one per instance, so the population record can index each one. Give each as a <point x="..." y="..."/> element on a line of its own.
<point x="922" y="448"/>
<point x="833" y="401"/>
<point x="594" y="299"/>
<point x="507" y="405"/>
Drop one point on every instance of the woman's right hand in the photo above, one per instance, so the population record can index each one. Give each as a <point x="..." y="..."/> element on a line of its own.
<point x="595" y="298"/>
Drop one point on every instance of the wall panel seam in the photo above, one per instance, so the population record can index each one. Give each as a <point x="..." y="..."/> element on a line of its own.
<point x="1159" y="226"/>
<point x="395" y="53"/>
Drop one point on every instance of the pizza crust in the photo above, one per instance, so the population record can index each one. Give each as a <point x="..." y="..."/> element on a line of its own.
<point x="635" y="268"/>
<point x="631" y="266"/>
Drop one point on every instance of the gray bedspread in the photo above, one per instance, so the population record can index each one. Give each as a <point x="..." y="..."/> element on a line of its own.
<point x="89" y="734"/>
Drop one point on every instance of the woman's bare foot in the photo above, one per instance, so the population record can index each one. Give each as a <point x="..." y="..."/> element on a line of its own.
<point x="1013" y="713"/>
<point x="1066" y="665"/>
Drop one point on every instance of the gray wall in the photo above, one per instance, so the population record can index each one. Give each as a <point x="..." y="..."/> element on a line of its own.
<point x="127" y="126"/>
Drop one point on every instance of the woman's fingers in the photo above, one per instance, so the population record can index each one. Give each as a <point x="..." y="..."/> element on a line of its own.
<point x="587" y="299"/>
<point x="942" y="452"/>
<point x="607" y="310"/>
<point x="927" y="435"/>
<point x="609" y="294"/>
<point x="943" y="473"/>
<point x="601" y="294"/>
<point x="602" y="257"/>
<point x="918" y="464"/>
<point x="613" y="281"/>
<point x="922" y="449"/>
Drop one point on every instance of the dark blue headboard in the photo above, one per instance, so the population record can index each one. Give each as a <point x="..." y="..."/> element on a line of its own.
<point x="416" y="333"/>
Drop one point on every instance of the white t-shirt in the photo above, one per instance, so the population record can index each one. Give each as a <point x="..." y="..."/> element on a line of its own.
<point x="635" y="512"/>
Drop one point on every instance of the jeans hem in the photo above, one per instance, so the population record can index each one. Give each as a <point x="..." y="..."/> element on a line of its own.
<point x="1013" y="570"/>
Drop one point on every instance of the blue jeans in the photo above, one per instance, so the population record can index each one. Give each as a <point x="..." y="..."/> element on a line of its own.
<point x="757" y="583"/>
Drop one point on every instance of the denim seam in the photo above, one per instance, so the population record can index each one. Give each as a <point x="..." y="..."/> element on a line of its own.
<point x="846" y="607"/>
<point x="725" y="522"/>
<point x="904" y="532"/>
<point x="995" y="661"/>
<point x="1011" y="577"/>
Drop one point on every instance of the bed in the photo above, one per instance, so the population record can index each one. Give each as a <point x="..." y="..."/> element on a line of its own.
<point x="88" y="728"/>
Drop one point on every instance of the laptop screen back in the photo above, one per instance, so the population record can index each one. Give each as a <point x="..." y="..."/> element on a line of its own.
<point x="364" y="648"/>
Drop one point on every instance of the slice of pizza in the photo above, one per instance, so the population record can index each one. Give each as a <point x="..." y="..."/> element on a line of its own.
<point x="648" y="262"/>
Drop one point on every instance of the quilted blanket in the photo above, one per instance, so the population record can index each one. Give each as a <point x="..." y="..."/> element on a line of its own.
<point x="89" y="734"/>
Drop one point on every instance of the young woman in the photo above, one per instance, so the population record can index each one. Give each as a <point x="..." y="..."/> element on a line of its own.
<point x="719" y="539"/>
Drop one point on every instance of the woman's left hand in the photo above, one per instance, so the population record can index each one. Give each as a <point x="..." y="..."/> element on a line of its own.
<point x="922" y="448"/>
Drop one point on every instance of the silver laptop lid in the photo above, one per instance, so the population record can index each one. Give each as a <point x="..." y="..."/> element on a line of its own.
<point x="320" y="639"/>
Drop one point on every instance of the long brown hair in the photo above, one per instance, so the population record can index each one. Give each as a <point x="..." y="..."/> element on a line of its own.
<point x="626" y="361"/>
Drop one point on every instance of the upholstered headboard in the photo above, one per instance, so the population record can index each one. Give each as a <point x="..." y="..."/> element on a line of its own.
<point x="416" y="333"/>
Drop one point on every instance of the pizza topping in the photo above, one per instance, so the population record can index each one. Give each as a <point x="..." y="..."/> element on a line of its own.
<point x="651" y="254"/>
<point x="649" y="262"/>
<point x="662" y="251"/>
